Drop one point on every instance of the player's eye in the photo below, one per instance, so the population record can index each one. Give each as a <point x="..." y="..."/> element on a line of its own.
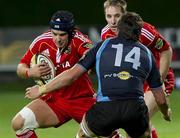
<point x="54" y="34"/>
<point x="117" y="15"/>
<point x="108" y="16"/>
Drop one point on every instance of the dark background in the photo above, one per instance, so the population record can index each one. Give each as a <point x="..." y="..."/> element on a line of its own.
<point x="161" y="13"/>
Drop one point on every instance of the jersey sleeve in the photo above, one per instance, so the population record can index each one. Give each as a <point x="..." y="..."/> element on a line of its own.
<point x="89" y="59"/>
<point x="82" y="43"/>
<point x="152" y="38"/>
<point x="154" y="78"/>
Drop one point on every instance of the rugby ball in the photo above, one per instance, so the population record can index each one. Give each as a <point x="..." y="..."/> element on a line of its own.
<point x="41" y="58"/>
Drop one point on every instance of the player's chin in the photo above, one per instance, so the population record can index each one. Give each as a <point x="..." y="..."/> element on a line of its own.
<point x="114" y="27"/>
<point x="60" y="45"/>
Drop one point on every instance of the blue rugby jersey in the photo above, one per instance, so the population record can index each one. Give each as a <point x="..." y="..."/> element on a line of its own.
<point x="122" y="67"/>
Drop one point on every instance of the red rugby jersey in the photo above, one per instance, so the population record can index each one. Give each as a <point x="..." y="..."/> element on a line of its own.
<point x="63" y="61"/>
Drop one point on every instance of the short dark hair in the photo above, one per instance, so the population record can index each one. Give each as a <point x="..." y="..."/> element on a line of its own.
<point x="130" y="26"/>
<point x="62" y="20"/>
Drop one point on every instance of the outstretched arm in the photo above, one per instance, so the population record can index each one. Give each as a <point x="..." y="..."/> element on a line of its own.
<point x="62" y="80"/>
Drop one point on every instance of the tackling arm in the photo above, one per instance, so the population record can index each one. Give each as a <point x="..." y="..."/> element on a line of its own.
<point x="62" y="80"/>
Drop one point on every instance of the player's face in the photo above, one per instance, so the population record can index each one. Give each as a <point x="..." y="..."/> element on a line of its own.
<point x="60" y="38"/>
<point x="113" y="15"/>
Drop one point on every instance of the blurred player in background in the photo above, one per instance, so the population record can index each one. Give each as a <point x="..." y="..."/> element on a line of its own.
<point x="151" y="38"/>
<point x="64" y="45"/>
<point x="119" y="62"/>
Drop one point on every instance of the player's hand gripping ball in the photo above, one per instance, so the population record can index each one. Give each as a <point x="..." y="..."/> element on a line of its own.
<point x="41" y="58"/>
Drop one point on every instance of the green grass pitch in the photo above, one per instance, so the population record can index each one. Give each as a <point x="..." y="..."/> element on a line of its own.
<point x="12" y="101"/>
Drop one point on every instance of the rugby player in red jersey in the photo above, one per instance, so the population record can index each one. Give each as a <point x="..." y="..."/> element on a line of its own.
<point x="151" y="38"/>
<point x="64" y="45"/>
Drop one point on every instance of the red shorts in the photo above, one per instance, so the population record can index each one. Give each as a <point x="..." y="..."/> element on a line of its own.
<point x="169" y="83"/>
<point x="66" y="109"/>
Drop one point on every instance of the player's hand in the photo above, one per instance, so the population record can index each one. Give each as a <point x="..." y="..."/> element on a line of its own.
<point x="167" y="117"/>
<point x="32" y="92"/>
<point x="39" y="71"/>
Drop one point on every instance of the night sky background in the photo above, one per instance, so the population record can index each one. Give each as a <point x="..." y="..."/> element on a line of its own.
<point x="14" y="13"/>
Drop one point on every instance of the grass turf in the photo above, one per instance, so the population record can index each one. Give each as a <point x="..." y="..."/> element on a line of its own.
<point x="12" y="101"/>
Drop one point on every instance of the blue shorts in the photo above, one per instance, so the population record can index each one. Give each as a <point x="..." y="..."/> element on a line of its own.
<point x="131" y="115"/>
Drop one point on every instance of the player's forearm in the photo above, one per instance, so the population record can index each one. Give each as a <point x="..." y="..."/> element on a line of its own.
<point x="64" y="79"/>
<point x="161" y="100"/>
<point x="60" y="81"/>
<point x="165" y="61"/>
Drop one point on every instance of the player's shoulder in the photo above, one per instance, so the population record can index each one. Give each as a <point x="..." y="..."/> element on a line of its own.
<point x="148" y="28"/>
<point x="142" y="46"/>
<point x="80" y="37"/>
<point x="105" y="29"/>
<point x="81" y="42"/>
<point x="148" y="32"/>
<point x="107" y="32"/>
<point x="146" y="25"/>
<point x="44" y="37"/>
